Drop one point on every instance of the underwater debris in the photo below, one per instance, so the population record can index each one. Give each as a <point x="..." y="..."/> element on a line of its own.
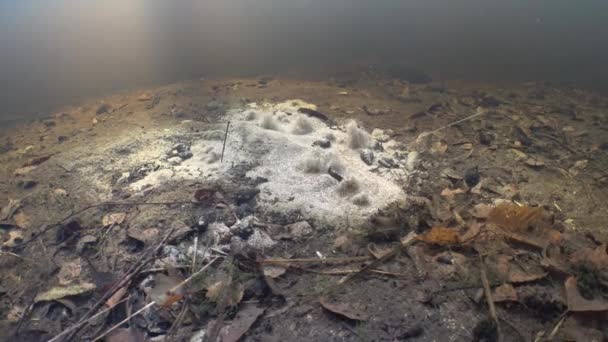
<point x="367" y="156"/>
<point x="472" y="176"/>
<point x="516" y="218"/>
<point x="374" y="111"/>
<point x="322" y="143"/>
<point x="102" y="108"/>
<point x="334" y="174"/>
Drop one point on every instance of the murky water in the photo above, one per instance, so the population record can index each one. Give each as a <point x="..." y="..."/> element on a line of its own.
<point x="54" y="52"/>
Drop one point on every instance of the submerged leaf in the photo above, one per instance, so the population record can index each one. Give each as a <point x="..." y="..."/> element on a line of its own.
<point x="64" y="291"/>
<point x="515" y="218"/>
<point x="344" y="310"/>
<point x="273" y="271"/>
<point x="576" y="302"/>
<point x="113" y="219"/>
<point x="241" y="323"/>
<point x="440" y="236"/>
<point x="21" y="220"/>
<point x="69" y="272"/>
<point x="125" y="335"/>
<point x="505" y="293"/>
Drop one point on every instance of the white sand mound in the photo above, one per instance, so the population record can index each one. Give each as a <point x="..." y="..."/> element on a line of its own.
<point x="279" y="146"/>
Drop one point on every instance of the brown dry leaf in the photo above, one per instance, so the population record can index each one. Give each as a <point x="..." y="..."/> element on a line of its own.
<point x="440" y="236"/>
<point x="15" y="237"/>
<point x="344" y="310"/>
<point x="38" y="160"/>
<point x="449" y="194"/>
<point x="505" y="293"/>
<point x="481" y="211"/>
<point x="511" y="272"/>
<point x="113" y="219"/>
<point x="69" y="272"/>
<point x="518" y="276"/>
<point x="146" y="235"/>
<point x="22" y="171"/>
<point x="21" y="220"/>
<point x="576" y="302"/>
<point x="64" y="291"/>
<point x="241" y="323"/>
<point x="274" y="271"/>
<point x="515" y="218"/>
<point x="171" y="299"/>
<point x="378" y="252"/>
<point x="125" y="335"/>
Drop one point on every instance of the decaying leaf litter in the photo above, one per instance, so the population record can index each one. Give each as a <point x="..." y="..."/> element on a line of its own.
<point x="499" y="233"/>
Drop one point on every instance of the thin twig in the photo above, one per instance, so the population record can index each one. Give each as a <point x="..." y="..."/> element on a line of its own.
<point x="69" y="330"/>
<point x="489" y="299"/>
<point x="225" y="139"/>
<point x="194" y="253"/>
<point x="314" y="260"/>
<point x="123" y="321"/>
<point x="558" y="325"/>
<point x="424" y="134"/>
<point x="178" y="321"/>
<point x="172" y="290"/>
<point x="26" y="312"/>
<point x="16" y="256"/>
<point x="130" y="274"/>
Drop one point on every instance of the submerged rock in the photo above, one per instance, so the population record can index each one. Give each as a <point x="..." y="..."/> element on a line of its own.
<point x="367" y="156"/>
<point x="102" y="109"/>
<point x="322" y="143"/>
<point x="387" y="162"/>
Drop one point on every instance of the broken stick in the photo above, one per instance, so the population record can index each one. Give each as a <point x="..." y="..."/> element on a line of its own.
<point x="488" y="292"/>
<point x="225" y="138"/>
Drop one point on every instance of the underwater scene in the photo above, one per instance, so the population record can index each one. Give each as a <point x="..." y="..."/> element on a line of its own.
<point x="281" y="170"/>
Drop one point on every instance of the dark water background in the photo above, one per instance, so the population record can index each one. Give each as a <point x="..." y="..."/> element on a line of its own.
<point x="54" y="52"/>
